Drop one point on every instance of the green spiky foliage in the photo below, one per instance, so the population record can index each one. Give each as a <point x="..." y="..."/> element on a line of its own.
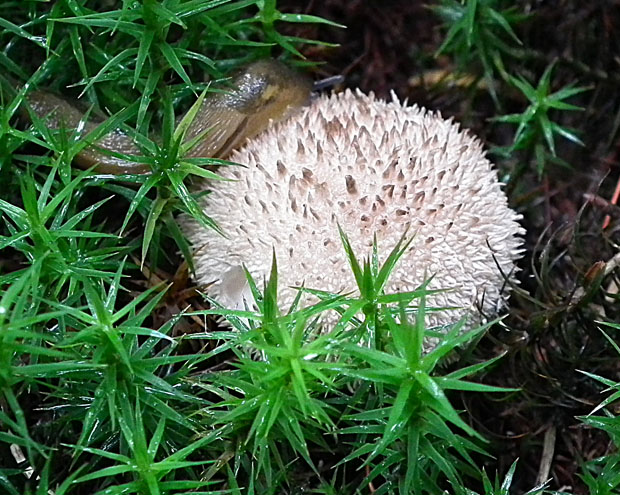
<point x="480" y="32"/>
<point x="536" y="129"/>
<point x="481" y="38"/>
<point x="89" y="378"/>
<point x="125" y="411"/>
<point x="602" y="475"/>
<point x="294" y="390"/>
<point x="133" y="59"/>
<point x="502" y="487"/>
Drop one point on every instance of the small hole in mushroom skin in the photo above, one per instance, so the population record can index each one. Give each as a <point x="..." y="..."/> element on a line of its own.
<point x="350" y="182"/>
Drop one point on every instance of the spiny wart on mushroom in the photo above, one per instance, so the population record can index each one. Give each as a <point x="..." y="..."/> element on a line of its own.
<point x="374" y="168"/>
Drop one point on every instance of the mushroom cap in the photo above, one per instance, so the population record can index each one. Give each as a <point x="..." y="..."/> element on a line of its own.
<point x="374" y="168"/>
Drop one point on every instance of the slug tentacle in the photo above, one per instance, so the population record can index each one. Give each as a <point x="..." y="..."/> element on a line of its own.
<point x="264" y="91"/>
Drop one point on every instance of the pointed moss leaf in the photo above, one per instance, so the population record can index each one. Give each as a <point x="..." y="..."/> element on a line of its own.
<point x="151" y="223"/>
<point x="172" y="58"/>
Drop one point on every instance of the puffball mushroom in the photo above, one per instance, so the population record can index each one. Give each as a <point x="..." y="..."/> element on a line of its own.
<point x="374" y="168"/>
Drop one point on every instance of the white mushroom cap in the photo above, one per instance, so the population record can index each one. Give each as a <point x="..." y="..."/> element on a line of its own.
<point x="373" y="167"/>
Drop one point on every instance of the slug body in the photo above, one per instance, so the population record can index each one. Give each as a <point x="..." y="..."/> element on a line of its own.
<point x="264" y="91"/>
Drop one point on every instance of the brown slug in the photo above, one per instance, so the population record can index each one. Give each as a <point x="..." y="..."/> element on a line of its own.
<point x="264" y="91"/>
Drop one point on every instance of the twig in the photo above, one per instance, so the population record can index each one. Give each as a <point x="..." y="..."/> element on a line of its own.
<point x="370" y="485"/>
<point x="614" y="200"/>
<point x="547" y="456"/>
<point x="610" y="209"/>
